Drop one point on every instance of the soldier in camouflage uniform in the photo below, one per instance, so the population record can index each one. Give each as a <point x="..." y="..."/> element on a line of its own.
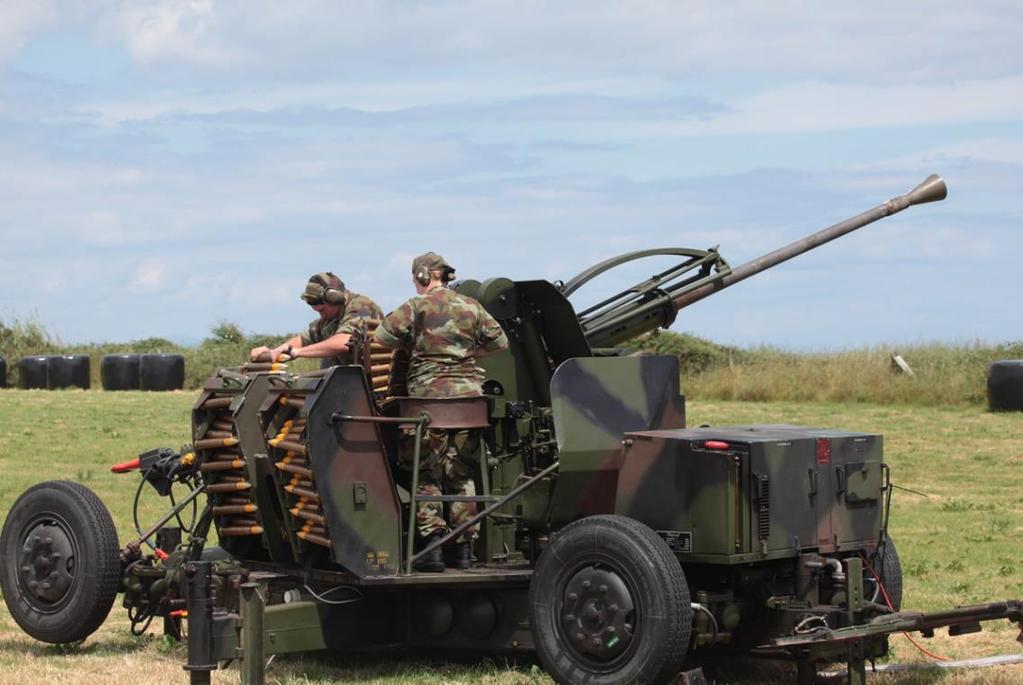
<point x="341" y="316"/>
<point x="444" y="333"/>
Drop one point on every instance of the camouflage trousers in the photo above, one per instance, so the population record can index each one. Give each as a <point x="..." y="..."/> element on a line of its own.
<point x="448" y="459"/>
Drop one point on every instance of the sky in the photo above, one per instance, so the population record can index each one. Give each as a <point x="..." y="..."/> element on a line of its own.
<point x="167" y="166"/>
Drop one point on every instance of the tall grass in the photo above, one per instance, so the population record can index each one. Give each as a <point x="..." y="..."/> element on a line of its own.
<point x="942" y="374"/>
<point x="23" y="338"/>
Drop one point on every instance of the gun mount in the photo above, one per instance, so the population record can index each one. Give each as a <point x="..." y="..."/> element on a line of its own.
<point x="615" y="541"/>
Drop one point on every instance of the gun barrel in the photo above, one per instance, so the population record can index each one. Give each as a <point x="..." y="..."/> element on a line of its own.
<point x="651" y="305"/>
<point x="931" y="189"/>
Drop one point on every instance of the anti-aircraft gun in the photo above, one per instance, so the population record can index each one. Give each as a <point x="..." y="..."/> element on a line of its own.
<point x="616" y="543"/>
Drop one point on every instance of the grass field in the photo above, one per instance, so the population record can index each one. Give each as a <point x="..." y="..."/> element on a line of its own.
<point x="959" y="533"/>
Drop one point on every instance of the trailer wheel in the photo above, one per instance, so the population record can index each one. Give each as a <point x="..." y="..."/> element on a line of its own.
<point x="885" y="561"/>
<point x="59" y="562"/>
<point x="609" y="604"/>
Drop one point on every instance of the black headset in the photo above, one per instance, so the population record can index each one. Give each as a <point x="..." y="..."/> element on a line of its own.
<point x="331" y="294"/>
<point x="423" y="277"/>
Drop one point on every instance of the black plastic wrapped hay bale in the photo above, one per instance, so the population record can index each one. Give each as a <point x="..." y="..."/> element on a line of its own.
<point x="1005" y="385"/>
<point x="33" y="372"/>
<point x="3" y="372"/>
<point x="161" y="372"/>
<point x="69" y="371"/>
<point x="119" y="372"/>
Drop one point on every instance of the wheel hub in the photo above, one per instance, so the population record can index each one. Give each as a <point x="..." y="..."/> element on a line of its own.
<point x="47" y="563"/>
<point x="597" y="613"/>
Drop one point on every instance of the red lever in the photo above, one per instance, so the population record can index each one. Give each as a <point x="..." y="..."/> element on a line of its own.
<point x="126" y="466"/>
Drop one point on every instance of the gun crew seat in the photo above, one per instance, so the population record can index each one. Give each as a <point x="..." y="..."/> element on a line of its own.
<point x="450" y="413"/>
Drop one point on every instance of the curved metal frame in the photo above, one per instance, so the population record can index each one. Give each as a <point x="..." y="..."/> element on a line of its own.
<point x="589" y="274"/>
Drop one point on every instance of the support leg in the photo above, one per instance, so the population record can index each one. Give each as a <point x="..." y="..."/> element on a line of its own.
<point x="413" y="504"/>
<point x="199" y="596"/>
<point x="252" y="608"/>
<point x="806" y="672"/>
<point x="856" y="664"/>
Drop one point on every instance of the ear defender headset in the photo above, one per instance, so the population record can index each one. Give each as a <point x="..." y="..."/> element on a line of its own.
<point x="423" y="277"/>
<point x="426" y="265"/>
<point x="319" y="289"/>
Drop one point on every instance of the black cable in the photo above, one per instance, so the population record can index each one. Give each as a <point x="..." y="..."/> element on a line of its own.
<point x="139" y="617"/>
<point x="197" y="536"/>
<point x="884" y="539"/>
<point x="135" y="509"/>
<point x="195" y="509"/>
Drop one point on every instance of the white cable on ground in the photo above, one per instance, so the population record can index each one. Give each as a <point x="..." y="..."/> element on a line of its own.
<point x="981" y="662"/>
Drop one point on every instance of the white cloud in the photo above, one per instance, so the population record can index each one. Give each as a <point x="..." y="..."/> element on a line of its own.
<point x="20" y="20"/>
<point x="150" y="274"/>
<point x="801" y="107"/>
<point x="179" y="31"/>
<point x="102" y="227"/>
<point x="807" y="107"/>
<point x="1005" y="150"/>
<point x="873" y="39"/>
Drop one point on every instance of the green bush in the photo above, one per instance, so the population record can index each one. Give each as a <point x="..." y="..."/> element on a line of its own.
<point x="21" y="339"/>
<point x="695" y="354"/>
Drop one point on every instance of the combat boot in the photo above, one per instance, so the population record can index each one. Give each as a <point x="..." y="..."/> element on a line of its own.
<point x="433" y="561"/>
<point x="459" y="555"/>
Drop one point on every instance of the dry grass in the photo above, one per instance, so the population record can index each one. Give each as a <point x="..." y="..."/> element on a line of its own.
<point x="960" y="542"/>
<point x="944" y="374"/>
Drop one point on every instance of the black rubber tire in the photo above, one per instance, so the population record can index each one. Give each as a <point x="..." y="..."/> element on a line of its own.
<point x="68" y="521"/>
<point x="161" y="372"/>
<point x="33" y="372"/>
<point x="69" y="371"/>
<point x="623" y="553"/>
<point x="119" y="372"/>
<point x="3" y="372"/>
<point x="886" y="564"/>
<point x="1005" y="385"/>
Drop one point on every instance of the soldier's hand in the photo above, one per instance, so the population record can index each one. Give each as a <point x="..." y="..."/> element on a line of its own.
<point x="258" y="352"/>
<point x="281" y="353"/>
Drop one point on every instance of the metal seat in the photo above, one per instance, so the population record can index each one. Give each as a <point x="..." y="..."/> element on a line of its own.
<point x="451" y="413"/>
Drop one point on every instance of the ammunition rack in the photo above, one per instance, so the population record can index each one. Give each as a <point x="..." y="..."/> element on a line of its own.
<point x="312" y="454"/>
<point x="228" y="443"/>
<point x="386" y="369"/>
<point x="286" y="419"/>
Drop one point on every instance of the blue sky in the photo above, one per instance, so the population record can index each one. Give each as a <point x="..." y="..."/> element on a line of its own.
<point x="169" y="165"/>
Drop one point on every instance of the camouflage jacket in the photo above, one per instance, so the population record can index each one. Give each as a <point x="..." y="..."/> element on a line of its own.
<point x="442" y="330"/>
<point x="347" y="321"/>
